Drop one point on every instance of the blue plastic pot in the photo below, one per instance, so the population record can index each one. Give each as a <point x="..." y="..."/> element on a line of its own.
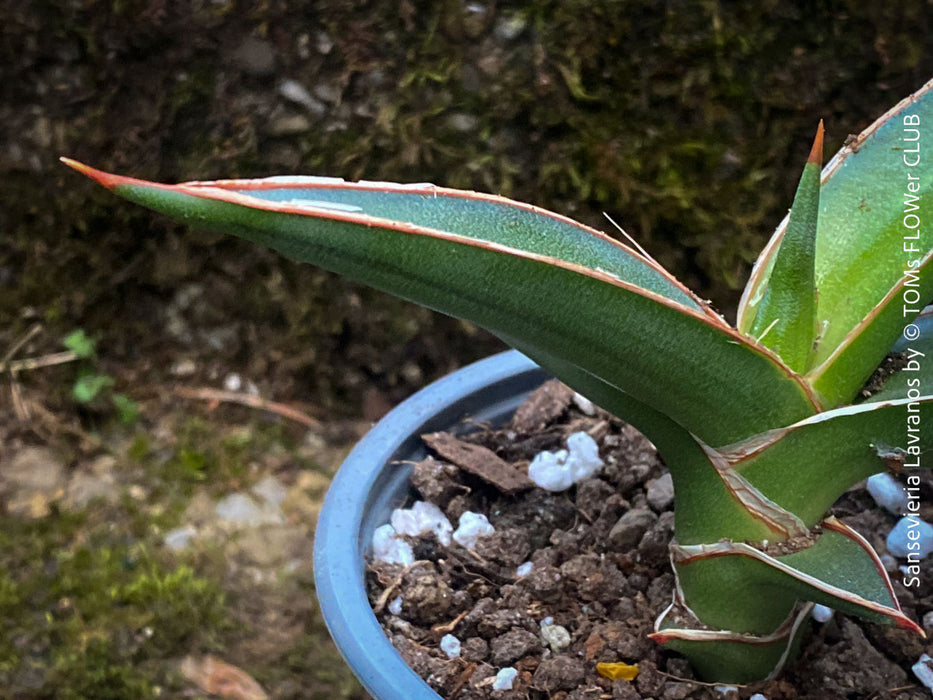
<point x="371" y="482"/>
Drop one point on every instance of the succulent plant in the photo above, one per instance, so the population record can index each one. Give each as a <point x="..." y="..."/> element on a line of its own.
<point x="763" y="425"/>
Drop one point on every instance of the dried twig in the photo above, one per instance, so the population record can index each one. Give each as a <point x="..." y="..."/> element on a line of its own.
<point x="20" y="408"/>
<point x="56" y="358"/>
<point x="221" y="396"/>
<point x="17" y="346"/>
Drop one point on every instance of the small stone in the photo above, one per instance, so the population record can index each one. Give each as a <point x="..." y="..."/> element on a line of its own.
<point x="464" y="123"/>
<point x="427" y="597"/>
<point x="255" y="56"/>
<point x="233" y="382"/>
<point x="675" y="690"/>
<point x="923" y="670"/>
<point x="524" y="569"/>
<point x="510" y="26"/>
<point x="179" y="538"/>
<point x="327" y="92"/>
<point x="504" y="678"/>
<point x="888" y="493"/>
<point x="912" y="535"/>
<point x="624" y="690"/>
<point x="661" y="492"/>
<point x="288" y="125"/>
<point x="270" y="547"/>
<point x="474" y="649"/>
<point x="323" y="43"/>
<point x="758" y="696"/>
<point x="84" y="488"/>
<point x="512" y="646"/>
<point x="35" y="478"/>
<point x="545" y="583"/>
<point x="270" y="490"/>
<point x="239" y="510"/>
<point x="631" y="527"/>
<point x="436" y="481"/>
<point x="821" y="613"/>
<point x="295" y="92"/>
<point x="555" y="636"/>
<point x="559" y="673"/>
<point x="183" y="368"/>
<point x="395" y="606"/>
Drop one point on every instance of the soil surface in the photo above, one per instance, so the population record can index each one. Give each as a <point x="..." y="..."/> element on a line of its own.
<point x="600" y="572"/>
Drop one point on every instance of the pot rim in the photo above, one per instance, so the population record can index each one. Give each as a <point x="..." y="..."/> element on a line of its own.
<point x="371" y="482"/>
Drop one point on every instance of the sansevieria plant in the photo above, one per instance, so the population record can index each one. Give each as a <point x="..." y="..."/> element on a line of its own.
<point x="763" y="425"/>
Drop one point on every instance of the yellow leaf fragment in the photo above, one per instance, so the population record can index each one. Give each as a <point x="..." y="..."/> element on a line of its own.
<point x="617" y="671"/>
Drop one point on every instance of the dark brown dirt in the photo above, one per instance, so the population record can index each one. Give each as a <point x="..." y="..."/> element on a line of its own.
<point x="601" y="572"/>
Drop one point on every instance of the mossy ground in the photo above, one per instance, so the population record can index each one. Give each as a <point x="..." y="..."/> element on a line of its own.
<point x="94" y="604"/>
<point x="688" y="124"/>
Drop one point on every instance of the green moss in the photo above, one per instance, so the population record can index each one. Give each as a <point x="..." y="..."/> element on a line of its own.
<point x="96" y="615"/>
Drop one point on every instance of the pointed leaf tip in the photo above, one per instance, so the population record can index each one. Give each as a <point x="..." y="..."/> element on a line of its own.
<point x="816" y="152"/>
<point x="106" y="179"/>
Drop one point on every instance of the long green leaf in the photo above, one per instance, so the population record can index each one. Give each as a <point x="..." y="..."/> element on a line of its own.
<point x="786" y="316"/>
<point x="665" y="353"/>
<point x="806" y="467"/>
<point x="839" y="570"/>
<point x="728" y="657"/>
<point x="862" y="246"/>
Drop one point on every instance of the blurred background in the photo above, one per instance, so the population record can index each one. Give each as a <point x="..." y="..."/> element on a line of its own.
<point x="149" y="521"/>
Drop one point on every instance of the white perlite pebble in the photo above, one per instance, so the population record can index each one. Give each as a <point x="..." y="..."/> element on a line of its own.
<point x="888" y="493"/>
<point x="821" y="613"/>
<point x="555" y="636"/>
<point x="395" y="607"/>
<point x="923" y="670"/>
<point x="389" y="548"/>
<point x="524" y="569"/>
<point x="422" y="517"/>
<point x="504" y="679"/>
<point x="910" y="535"/>
<point x="450" y="645"/>
<point x="584" y="404"/>
<point x="472" y="526"/>
<point x="558" y="471"/>
<point x="758" y="696"/>
<point x="726" y="689"/>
